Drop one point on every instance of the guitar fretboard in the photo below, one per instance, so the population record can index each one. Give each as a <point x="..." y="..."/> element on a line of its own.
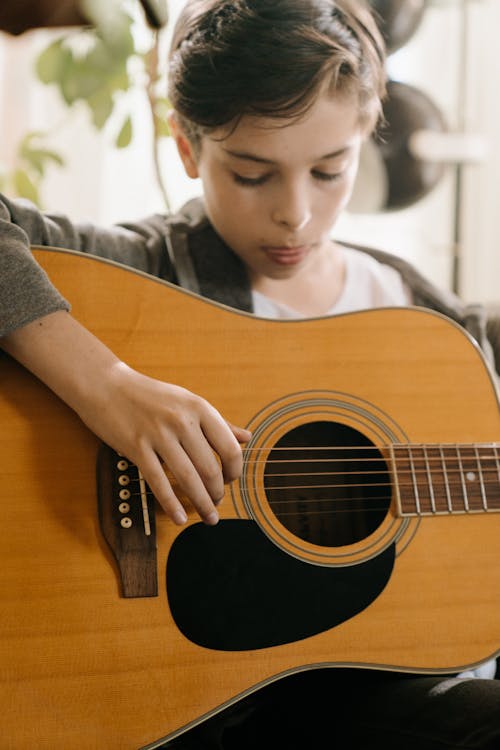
<point x="432" y="479"/>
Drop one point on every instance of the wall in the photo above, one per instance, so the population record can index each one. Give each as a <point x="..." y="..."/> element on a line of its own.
<point x="480" y="215"/>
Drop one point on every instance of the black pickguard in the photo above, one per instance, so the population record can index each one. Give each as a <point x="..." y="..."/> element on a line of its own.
<point x="230" y="588"/>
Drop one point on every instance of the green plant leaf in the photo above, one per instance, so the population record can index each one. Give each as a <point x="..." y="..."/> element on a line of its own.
<point x="94" y="67"/>
<point x="121" y="80"/>
<point x="32" y="151"/>
<point x="39" y="158"/>
<point x="81" y="81"/>
<point x="125" y="135"/>
<point x="52" y="156"/>
<point x="101" y="105"/>
<point x="101" y="58"/>
<point x="52" y="64"/>
<point x="25" y="187"/>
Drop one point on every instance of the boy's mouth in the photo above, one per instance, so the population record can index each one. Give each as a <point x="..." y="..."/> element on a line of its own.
<point x="286" y="256"/>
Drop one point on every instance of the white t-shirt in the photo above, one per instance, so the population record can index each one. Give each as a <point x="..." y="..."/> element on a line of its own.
<point x="368" y="283"/>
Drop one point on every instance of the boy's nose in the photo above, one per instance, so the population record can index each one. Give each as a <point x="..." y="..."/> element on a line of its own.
<point x="293" y="212"/>
<point x="295" y="224"/>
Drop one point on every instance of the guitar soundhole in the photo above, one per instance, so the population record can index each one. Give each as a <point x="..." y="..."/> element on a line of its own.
<point x="327" y="484"/>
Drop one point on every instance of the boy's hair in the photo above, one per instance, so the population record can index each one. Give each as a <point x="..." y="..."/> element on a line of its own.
<point x="271" y="58"/>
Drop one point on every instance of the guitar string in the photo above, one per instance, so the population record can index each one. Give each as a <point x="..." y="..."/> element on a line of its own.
<point x="441" y="504"/>
<point x="401" y="473"/>
<point x="323" y="512"/>
<point x="324" y="500"/>
<point x="407" y="446"/>
<point x="471" y="476"/>
<point x="371" y="509"/>
<point x="469" y="460"/>
<point x="488" y="478"/>
<point x="380" y="485"/>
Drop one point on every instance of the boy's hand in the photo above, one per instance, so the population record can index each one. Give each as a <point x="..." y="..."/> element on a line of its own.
<point x="151" y="422"/>
<point x="148" y="421"/>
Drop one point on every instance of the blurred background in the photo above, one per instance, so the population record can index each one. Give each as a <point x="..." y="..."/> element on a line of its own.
<point x="83" y="132"/>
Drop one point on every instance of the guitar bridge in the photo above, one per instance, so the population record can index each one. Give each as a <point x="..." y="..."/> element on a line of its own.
<point x="127" y="521"/>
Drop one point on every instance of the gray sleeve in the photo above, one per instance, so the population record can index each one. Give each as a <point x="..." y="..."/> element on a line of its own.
<point x="25" y="291"/>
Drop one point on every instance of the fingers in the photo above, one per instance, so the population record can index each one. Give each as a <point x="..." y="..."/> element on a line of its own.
<point x="196" y="468"/>
<point x="241" y="434"/>
<point x="190" y="453"/>
<point x="198" y="474"/>
<point x="224" y="439"/>
<point x="154" y="474"/>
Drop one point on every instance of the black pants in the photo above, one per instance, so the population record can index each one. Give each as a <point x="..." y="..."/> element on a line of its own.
<point x="337" y="709"/>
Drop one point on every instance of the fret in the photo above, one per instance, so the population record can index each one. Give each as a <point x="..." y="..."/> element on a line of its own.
<point x="462" y="478"/>
<point x="441" y="483"/>
<point x="414" y="481"/>
<point x="424" y="480"/>
<point x="421" y="484"/>
<point x="446" y="479"/>
<point x="473" y="479"/>
<point x="445" y="475"/>
<point x="454" y="479"/>
<point x="395" y="474"/>
<point x="488" y="457"/>
<point x="446" y="482"/>
<point x="481" y="478"/>
<point x="405" y="480"/>
<point x="429" y="479"/>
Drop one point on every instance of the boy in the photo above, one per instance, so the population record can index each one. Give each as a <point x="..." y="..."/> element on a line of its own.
<point x="272" y="100"/>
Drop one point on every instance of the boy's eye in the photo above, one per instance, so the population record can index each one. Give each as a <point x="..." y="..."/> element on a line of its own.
<point x="327" y="176"/>
<point x="249" y="181"/>
<point x="261" y="179"/>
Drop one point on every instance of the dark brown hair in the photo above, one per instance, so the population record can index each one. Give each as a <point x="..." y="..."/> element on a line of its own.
<point x="270" y="58"/>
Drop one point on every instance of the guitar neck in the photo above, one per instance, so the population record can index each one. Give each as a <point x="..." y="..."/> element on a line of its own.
<point x="446" y="479"/>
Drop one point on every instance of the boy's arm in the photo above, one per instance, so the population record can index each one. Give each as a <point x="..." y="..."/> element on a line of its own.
<point x="140" y="245"/>
<point x="25" y="290"/>
<point x="146" y="420"/>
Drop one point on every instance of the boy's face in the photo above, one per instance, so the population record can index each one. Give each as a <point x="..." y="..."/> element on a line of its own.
<point x="274" y="193"/>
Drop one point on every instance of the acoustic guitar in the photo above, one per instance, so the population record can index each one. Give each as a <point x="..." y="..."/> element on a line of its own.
<point x="364" y="530"/>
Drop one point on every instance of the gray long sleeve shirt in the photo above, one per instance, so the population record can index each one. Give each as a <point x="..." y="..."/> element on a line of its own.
<point x="26" y="293"/>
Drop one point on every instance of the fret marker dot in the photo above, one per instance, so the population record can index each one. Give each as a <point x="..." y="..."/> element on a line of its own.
<point x="470" y="476"/>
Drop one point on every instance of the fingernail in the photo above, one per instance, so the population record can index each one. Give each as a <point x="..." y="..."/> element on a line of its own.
<point x="180" y="517"/>
<point x="212" y="519"/>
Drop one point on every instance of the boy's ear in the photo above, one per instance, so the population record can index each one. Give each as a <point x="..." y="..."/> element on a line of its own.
<point x="184" y="147"/>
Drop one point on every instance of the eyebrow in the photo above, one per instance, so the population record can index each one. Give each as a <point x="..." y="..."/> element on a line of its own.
<point x="260" y="159"/>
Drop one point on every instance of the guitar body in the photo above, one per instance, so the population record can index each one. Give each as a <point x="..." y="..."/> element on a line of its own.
<point x="83" y="667"/>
